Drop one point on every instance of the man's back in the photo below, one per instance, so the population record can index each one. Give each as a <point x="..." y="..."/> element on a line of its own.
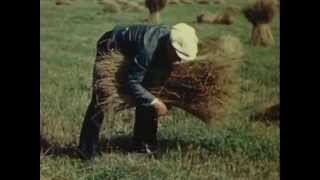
<point x="137" y="38"/>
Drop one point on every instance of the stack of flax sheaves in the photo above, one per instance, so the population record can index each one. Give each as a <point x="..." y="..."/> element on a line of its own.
<point x="260" y="14"/>
<point x="203" y="88"/>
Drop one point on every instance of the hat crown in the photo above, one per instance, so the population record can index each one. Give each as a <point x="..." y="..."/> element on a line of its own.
<point x="184" y="40"/>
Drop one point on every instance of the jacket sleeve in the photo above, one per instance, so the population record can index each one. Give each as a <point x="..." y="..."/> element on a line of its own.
<point x="136" y="73"/>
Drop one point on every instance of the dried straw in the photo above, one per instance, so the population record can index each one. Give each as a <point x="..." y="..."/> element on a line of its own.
<point x="134" y="6"/>
<point x="230" y="46"/>
<point x="269" y="113"/>
<point x="110" y="6"/>
<point x="130" y="6"/>
<point x="260" y="14"/>
<point x="141" y="2"/>
<point x="186" y="1"/>
<point x="203" y="1"/>
<point x="219" y="1"/>
<point x="218" y="18"/>
<point x="202" y="87"/>
<point x="174" y="1"/>
<point x="232" y="10"/>
<point x="155" y="6"/>
<point x="62" y="2"/>
<point x="205" y="17"/>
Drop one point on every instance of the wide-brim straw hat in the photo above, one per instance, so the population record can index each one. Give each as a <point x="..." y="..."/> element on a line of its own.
<point x="185" y="41"/>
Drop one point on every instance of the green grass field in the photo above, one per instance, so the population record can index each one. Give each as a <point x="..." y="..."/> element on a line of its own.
<point x="237" y="148"/>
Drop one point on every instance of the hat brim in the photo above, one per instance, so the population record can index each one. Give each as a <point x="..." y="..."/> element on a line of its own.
<point x="181" y="54"/>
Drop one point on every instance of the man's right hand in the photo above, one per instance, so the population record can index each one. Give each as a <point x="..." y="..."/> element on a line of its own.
<point x="160" y="107"/>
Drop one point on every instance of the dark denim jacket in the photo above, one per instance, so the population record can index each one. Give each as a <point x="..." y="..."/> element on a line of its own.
<point x="145" y="44"/>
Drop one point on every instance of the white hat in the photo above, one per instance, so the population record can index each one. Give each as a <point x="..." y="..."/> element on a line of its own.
<point x="185" y="41"/>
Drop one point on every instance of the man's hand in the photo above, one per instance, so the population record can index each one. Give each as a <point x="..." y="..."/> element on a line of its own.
<point x="160" y="107"/>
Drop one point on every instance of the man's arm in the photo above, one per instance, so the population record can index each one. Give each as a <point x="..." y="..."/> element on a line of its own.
<point x="136" y="73"/>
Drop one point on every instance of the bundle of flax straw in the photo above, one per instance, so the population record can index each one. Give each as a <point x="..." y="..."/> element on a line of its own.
<point x="155" y="6"/>
<point x="217" y="18"/>
<point x="202" y="88"/>
<point x="260" y="15"/>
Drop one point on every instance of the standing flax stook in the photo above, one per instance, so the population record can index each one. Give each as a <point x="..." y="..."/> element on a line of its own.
<point x="155" y="6"/>
<point x="150" y="50"/>
<point x="260" y="15"/>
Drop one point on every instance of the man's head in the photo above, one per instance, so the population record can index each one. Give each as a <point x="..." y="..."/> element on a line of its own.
<point x="183" y="44"/>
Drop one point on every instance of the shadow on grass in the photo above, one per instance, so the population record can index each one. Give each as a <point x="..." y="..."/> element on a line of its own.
<point x="55" y="149"/>
<point x="268" y="115"/>
<point x="121" y="144"/>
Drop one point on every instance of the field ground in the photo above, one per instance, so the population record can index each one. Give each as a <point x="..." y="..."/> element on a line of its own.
<point x="237" y="148"/>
